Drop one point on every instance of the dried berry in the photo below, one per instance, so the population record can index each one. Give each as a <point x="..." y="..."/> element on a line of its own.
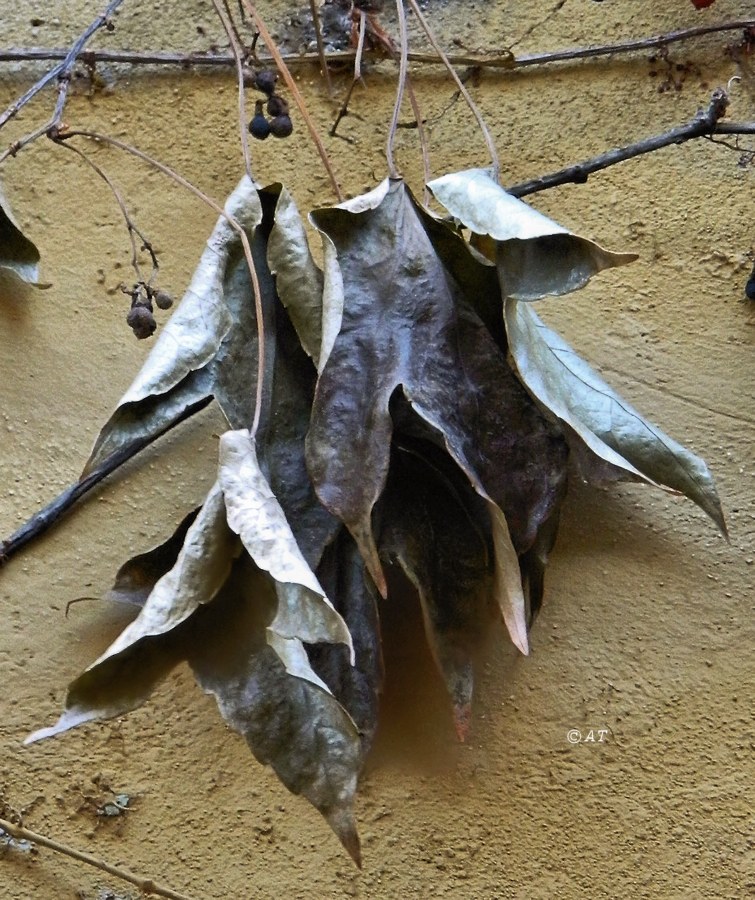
<point x="750" y="288"/>
<point x="265" y="81"/>
<point x="259" y="127"/>
<point x="163" y="299"/>
<point x="141" y="321"/>
<point x="281" y="126"/>
<point x="277" y="106"/>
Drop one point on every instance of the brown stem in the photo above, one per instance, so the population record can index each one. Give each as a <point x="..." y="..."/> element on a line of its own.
<point x="462" y="88"/>
<point x="130" y="225"/>
<point x="704" y="124"/>
<point x="146" y="885"/>
<point x="403" y="67"/>
<point x="64" y="67"/>
<point x="313" y="5"/>
<point x="171" y="173"/>
<point x="344" y="110"/>
<point x="238" y="55"/>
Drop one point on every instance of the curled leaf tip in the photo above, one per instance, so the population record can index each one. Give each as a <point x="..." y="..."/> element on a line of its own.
<point x="341" y="820"/>
<point x="462" y="721"/>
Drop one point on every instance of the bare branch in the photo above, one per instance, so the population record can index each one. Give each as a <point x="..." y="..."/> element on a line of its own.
<point x="704" y="124"/>
<point x="146" y="885"/>
<point x="64" y="68"/>
<point x="497" y="60"/>
<point x="49" y="515"/>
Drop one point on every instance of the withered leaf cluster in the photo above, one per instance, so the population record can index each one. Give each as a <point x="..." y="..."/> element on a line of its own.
<point x="416" y="413"/>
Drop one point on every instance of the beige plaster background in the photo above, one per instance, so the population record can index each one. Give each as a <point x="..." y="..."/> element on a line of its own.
<point x="647" y="628"/>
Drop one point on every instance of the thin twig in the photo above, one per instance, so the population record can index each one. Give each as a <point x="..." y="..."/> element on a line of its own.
<point x="532" y="28"/>
<point x="171" y="173"/>
<point x="650" y="43"/>
<point x="424" y="149"/>
<point x="146" y="885"/>
<point x="500" y="60"/>
<point x="704" y="124"/>
<point x="229" y="15"/>
<point x="344" y="110"/>
<point x="403" y="67"/>
<point x="68" y="60"/>
<point x="295" y="93"/>
<point x="461" y="86"/>
<point x="130" y="225"/>
<point x="50" y="125"/>
<point x="314" y="6"/>
<point x="230" y="30"/>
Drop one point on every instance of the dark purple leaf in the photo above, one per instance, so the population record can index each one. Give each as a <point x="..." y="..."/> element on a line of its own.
<point x="357" y="687"/>
<point x="406" y="324"/>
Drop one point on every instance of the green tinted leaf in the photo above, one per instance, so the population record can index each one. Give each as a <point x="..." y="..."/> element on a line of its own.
<point x="603" y="421"/>
<point x="266" y="690"/>
<point x="535" y="256"/>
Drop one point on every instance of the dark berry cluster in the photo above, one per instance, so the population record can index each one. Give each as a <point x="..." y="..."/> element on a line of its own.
<point x="279" y="125"/>
<point x="141" y="318"/>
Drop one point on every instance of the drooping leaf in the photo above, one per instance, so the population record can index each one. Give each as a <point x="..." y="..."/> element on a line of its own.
<point x="333" y="290"/>
<point x="126" y="674"/>
<point x="206" y="339"/>
<point x="266" y="690"/>
<point x="19" y="257"/>
<point x="254" y="513"/>
<point x="437" y="529"/>
<point x="406" y="325"/>
<point x="357" y="687"/>
<point x="299" y="282"/>
<point x="535" y="256"/>
<point x="137" y="577"/>
<point x="280" y="439"/>
<point x="605" y="423"/>
<point x="209" y="345"/>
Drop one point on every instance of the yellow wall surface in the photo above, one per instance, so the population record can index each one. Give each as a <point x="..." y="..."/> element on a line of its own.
<point x="647" y="628"/>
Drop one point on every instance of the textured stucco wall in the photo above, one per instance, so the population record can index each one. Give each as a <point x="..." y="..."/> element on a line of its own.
<point x="647" y="628"/>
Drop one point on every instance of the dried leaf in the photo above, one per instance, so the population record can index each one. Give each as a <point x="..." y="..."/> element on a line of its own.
<point x="436" y="527"/>
<point x="126" y="674"/>
<point x="137" y="577"/>
<point x="254" y="513"/>
<point x="204" y="348"/>
<point x="299" y="282"/>
<point x="356" y="687"/>
<point x="406" y="325"/>
<point x="609" y="426"/>
<point x="535" y="256"/>
<point x="19" y="257"/>
<point x="266" y="690"/>
<point x="280" y="439"/>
